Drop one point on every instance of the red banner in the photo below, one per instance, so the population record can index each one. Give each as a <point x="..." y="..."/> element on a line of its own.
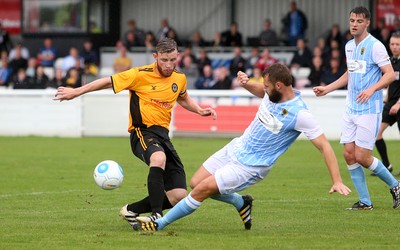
<point x="10" y="15"/>
<point x="389" y="11"/>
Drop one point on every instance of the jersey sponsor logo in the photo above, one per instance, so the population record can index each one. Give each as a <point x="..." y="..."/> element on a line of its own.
<point x="269" y="121"/>
<point x="162" y="104"/>
<point x="146" y="69"/>
<point x="357" y="66"/>
<point x="174" y="87"/>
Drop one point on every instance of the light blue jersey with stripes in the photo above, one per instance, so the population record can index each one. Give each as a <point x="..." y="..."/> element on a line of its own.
<point x="363" y="64"/>
<point x="274" y="128"/>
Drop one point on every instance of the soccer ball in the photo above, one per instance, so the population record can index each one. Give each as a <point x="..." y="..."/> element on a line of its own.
<point x="108" y="175"/>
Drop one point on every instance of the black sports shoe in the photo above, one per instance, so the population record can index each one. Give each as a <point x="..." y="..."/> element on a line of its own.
<point x="245" y="211"/>
<point x="390" y="168"/>
<point x="145" y="226"/>
<point x="396" y="195"/>
<point x="360" y="206"/>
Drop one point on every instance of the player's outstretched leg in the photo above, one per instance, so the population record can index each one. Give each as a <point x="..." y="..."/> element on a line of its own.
<point x="245" y="211"/>
<point x="150" y="218"/>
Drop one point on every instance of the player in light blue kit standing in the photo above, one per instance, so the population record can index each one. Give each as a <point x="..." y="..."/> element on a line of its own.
<point x="368" y="71"/>
<point x="246" y="160"/>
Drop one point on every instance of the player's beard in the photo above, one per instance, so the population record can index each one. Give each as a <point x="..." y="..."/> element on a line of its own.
<point x="275" y="96"/>
<point x="164" y="74"/>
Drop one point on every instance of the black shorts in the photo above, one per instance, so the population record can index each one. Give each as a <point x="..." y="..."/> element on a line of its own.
<point x="390" y="119"/>
<point x="146" y="141"/>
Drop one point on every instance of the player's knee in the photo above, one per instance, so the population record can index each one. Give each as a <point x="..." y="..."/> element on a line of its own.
<point x="158" y="159"/>
<point x="174" y="196"/>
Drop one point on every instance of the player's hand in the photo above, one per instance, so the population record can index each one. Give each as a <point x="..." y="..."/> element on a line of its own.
<point x="242" y="78"/>
<point x="208" y="112"/>
<point x="394" y="109"/>
<point x="320" y="90"/>
<point x="64" y="93"/>
<point x="364" y="96"/>
<point x="340" y="188"/>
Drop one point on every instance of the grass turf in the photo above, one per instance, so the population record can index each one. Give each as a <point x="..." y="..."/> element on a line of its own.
<point x="48" y="199"/>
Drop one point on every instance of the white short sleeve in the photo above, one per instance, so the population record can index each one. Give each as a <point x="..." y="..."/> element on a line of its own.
<point x="307" y="124"/>
<point x="380" y="55"/>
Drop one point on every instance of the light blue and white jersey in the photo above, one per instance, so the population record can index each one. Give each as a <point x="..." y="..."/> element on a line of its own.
<point x="274" y="128"/>
<point x="363" y="64"/>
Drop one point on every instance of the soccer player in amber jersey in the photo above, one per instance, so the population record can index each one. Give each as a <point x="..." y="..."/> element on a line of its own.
<point x="153" y="91"/>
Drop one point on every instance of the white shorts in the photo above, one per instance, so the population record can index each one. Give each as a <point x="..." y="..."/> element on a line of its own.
<point x="231" y="175"/>
<point x="361" y="129"/>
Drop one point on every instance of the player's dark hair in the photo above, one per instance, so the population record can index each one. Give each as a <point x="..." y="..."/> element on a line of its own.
<point x="278" y="73"/>
<point x="361" y="10"/>
<point x="396" y="34"/>
<point x="166" y="45"/>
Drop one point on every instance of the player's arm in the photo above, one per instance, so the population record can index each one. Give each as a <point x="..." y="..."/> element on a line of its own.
<point x="64" y="93"/>
<point x="189" y="104"/>
<point x="327" y="152"/>
<point x="255" y="88"/>
<point x="339" y="83"/>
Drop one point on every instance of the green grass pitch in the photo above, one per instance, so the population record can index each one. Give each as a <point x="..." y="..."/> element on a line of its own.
<point x="48" y="200"/>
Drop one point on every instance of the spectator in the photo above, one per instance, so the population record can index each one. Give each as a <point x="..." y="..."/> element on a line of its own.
<point x="130" y="41"/>
<point x="222" y="79"/>
<point x="47" y="54"/>
<point x="268" y="36"/>
<point x="237" y="63"/>
<point x="58" y="79"/>
<point x="138" y="34"/>
<point x="23" y="50"/>
<point x="265" y="60"/>
<point x="5" y="72"/>
<point x="71" y="60"/>
<point x="31" y="69"/>
<point x="302" y="56"/>
<point x="21" y="80"/>
<point x="122" y="62"/>
<point x="295" y="24"/>
<point x="197" y="40"/>
<point x="18" y="63"/>
<point x="163" y="31"/>
<point x="206" y="80"/>
<point x="203" y="60"/>
<point x="189" y="68"/>
<point x="188" y="51"/>
<point x="252" y="60"/>
<point x="334" y="34"/>
<point x="217" y="40"/>
<point x="376" y="32"/>
<point x="316" y="71"/>
<point x="172" y="34"/>
<point x="41" y="80"/>
<point x="232" y="37"/>
<point x="90" y="57"/>
<point x="73" y="79"/>
<point x="150" y="41"/>
<point x="332" y="73"/>
<point x="385" y="39"/>
<point x="256" y="76"/>
<point x="5" y="42"/>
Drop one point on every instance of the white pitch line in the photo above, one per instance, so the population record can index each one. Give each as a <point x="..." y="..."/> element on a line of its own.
<point x="42" y="193"/>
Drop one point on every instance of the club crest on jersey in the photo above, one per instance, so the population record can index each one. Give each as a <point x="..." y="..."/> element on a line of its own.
<point x="284" y="111"/>
<point x="174" y="87"/>
<point x="362" y="51"/>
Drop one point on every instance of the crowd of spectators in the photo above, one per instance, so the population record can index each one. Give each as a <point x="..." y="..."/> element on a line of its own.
<point x="21" y="68"/>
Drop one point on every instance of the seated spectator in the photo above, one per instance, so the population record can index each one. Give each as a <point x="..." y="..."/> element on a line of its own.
<point x="188" y="51"/>
<point x="122" y="62"/>
<point x="58" y="79"/>
<point x="222" y="79"/>
<point x="130" y="41"/>
<point x="5" y="72"/>
<point x="332" y="73"/>
<point x="21" y="80"/>
<point x="252" y="60"/>
<point x="138" y="34"/>
<point x="203" y="60"/>
<point x="41" y="80"/>
<point x="31" y="69"/>
<point x="334" y="34"/>
<point x="163" y="30"/>
<point x="206" y="80"/>
<point x="265" y="60"/>
<point x="173" y="35"/>
<point x="232" y="37"/>
<point x="217" y="40"/>
<point x="190" y="70"/>
<point x="316" y="72"/>
<point x="18" y="63"/>
<point x="71" y="60"/>
<point x="90" y="57"/>
<point x="150" y="41"/>
<point x="268" y="36"/>
<point x="197" y="40"/>
<point x="47" y="54"/>
<point x="302" y="56"/>
<point x="256" y="76"/>
<point x="23" y="51"/>
<point x="237" y="63"/>
<point x="73" y="79"/>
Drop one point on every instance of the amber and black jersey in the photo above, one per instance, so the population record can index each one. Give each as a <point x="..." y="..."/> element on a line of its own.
<point x="151" y="96"/>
